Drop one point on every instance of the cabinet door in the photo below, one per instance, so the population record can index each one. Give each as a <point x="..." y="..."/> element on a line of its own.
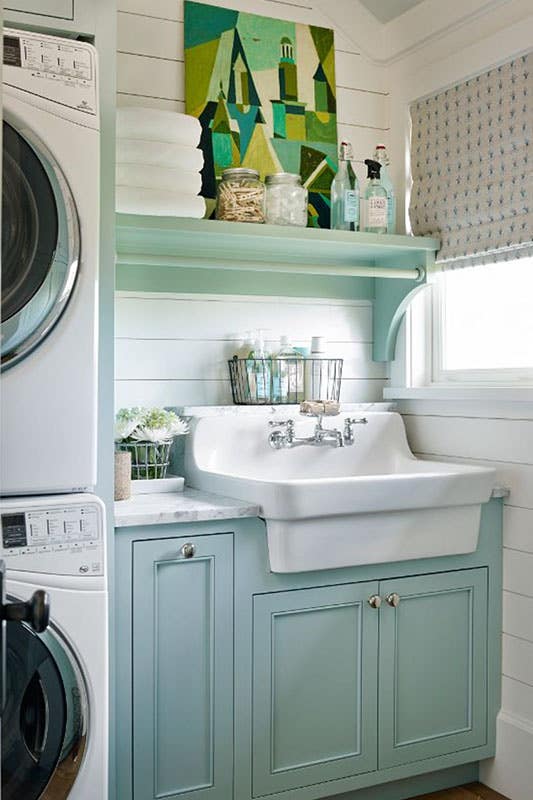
<point x="314" y="686"/>
<point x="433" y="674"/>
<point x="183" y="669"/>
<point x="62" y="9"/>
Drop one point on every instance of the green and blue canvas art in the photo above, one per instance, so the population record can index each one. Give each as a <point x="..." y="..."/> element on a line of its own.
<point x="265" y="94"/>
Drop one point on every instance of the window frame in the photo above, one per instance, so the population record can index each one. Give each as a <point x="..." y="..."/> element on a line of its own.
<point x="440" y="377"/>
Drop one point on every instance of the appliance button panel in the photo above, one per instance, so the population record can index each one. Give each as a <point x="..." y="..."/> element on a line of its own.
<point x="65" y="538"/>
<point x="61" y="70"/>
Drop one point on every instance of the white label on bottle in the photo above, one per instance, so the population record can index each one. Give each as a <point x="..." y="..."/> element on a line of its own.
<point x="351" y="206"/>
<point x="377" y="212"/>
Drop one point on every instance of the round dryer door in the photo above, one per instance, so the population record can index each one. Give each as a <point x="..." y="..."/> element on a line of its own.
<point x="40" y="242"/>
<point x="44" y="721"/>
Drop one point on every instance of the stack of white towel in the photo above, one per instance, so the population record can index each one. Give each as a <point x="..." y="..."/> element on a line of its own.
<point x="158" y="163"/>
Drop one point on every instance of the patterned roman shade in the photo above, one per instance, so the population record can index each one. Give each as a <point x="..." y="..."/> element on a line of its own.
<point x="472" y="177"/>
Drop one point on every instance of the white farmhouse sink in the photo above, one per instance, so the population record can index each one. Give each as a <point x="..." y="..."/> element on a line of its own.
<point x="329" y="506"/>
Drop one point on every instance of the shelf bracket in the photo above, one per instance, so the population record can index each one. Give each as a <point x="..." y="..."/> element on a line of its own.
<point x="391" y="300"/>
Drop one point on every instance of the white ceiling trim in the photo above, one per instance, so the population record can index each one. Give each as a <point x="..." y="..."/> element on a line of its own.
<point x="403" y="38"/>
<point x="387" y="44"/>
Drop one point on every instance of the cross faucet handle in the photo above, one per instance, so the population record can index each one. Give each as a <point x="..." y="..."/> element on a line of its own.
<point x="281" y="423"/>
<point x="360" y="421"/>
<point x="348" y="428"/>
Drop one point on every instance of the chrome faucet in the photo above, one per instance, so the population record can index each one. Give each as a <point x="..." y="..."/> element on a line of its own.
<point x="283" y="434"/>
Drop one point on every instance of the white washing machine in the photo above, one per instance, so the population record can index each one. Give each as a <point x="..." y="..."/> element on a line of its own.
<point x="55" y="721"/>
<point x="50" y="215"/>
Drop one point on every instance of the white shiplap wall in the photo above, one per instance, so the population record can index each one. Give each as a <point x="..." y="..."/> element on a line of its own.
<point x="501" y="437"/>
<point x="172" y="349"/>
<point x="474" y="37"/>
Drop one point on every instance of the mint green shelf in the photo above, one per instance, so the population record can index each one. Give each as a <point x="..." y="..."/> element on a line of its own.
<point x="385" y="269"/>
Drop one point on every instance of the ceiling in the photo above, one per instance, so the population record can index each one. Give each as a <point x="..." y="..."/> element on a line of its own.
<point x="385" y="10"/>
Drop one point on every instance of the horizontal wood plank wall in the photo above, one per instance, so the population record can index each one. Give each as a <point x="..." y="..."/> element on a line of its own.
<point x="172" y="349"/>
<point x="150" y="65"/>
<point x="501" y="438"/>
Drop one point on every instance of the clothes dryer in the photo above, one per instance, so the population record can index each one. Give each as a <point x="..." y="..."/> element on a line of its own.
<point x="50" y="216"/>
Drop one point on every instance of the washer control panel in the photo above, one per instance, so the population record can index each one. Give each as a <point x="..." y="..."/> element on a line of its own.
<point x="63" y="540"/>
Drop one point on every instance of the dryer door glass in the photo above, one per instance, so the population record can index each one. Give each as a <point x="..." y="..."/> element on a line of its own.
<point x="43" y="725"/>
<point x="40" y="243"/>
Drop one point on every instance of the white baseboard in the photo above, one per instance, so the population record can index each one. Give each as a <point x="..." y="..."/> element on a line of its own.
<point x="511" y="771"/>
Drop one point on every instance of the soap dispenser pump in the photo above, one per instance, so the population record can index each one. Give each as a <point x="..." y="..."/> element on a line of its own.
<point x="376" y="204"/>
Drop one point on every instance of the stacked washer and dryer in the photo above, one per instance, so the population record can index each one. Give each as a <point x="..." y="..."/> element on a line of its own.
<point x="55" y="713"/>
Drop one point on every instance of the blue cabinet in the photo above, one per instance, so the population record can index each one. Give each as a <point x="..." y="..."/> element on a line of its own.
<point x="235" y="683"/>
<point x="433" y="666"/>
<point x="315" y="655"/>
<point x="341" y="688"/>
<point x="182" y="690"/>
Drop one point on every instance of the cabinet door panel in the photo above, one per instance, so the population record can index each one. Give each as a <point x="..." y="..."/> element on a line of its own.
<point x="183" y="669"/>
<point x="433" y="666"/>
<point x="314" y="692"/>
<point x="62" y="9"/>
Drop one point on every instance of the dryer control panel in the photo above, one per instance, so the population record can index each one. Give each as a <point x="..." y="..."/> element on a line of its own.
<point x="60" y="540"/>
<point x="62" y="70"/>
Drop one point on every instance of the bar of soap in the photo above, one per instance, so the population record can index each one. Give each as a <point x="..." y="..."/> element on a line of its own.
<point x="328" y="408"/>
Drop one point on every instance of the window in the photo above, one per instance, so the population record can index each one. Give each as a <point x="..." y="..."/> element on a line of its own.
<point x="483" y="324"/>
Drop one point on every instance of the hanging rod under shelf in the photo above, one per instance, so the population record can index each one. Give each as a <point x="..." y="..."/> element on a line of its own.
<point x="190" y="262"/>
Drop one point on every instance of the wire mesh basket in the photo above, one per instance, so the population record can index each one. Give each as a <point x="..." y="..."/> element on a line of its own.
<point x="149" y="460"/>
<point x="276" y="381"/>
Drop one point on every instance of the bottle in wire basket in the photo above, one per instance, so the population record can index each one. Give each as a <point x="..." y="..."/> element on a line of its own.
<point x="291" y="374"/>
<point x="259" y="369"/>
<point x="345" y="193"/>
<point x="316" y="384"/>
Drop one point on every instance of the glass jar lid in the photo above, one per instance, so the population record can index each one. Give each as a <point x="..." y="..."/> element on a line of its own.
<point x="283" y="177"/>
<point x="240" y="172"/>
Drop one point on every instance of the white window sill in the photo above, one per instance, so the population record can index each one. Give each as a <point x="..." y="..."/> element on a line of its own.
<point x="513" y="394"/>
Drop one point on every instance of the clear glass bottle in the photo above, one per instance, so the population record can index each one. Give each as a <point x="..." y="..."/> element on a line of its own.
<point x="259" y="369"/>
<point x="315" y="383"/>
<point x="345" y="193"/>
<point x="291" y="372"/>
<point x="375" y="200"/>
<point x="286" y="200"/>
<point x="241" y="196"/>
<point x="382" y="157"/>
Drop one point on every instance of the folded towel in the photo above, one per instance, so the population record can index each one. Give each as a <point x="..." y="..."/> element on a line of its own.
<point x="160" y="154"/>
<point x="150" y="177"/>
<point x="157" y="125"/>
<point x="135" y="200"/>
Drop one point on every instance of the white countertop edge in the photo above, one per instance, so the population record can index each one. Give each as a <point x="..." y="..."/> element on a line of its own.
<point x="190" y="505"/>
<point x="269" y="410"/>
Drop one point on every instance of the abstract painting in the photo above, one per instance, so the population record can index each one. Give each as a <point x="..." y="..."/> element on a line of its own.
<point x="265" y="94"/>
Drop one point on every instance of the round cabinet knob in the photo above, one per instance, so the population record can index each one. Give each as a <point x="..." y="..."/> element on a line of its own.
<point x="393" y="599"/>
<point x="188" y="550"/>
<point x="374" y="601"/>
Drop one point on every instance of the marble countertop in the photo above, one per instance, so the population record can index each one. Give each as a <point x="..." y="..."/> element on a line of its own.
<point x="190" y="505"/>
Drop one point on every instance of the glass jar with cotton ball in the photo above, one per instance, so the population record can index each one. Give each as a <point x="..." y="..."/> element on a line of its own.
<point x="286" y="200"/>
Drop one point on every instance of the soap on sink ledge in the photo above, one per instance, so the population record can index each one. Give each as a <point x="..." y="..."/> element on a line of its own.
<point x="172" y="483"/>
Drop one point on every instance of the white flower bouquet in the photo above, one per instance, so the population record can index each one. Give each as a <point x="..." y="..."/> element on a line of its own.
<point x="148" y="433"/>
